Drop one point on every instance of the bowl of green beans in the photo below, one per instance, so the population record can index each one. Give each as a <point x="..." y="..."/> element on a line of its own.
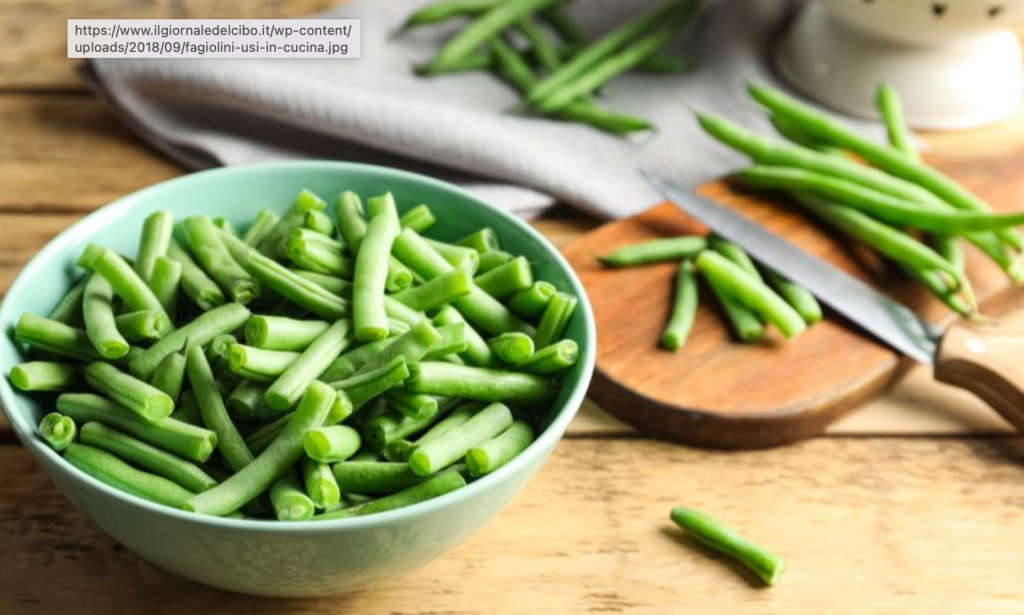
<point x="298" y="378"/>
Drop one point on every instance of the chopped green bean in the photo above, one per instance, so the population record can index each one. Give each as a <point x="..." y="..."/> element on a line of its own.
<point x="258" y="364"/>
<point x="369" y="315"/>
<point x="108" y="469"/>
<point x="280" y="333"/>
<point x="98" y="313"/>
<point x="143" y="325"/>
<point x="454" y="340"/>
<point x="68" y="310"/>
<point x="166" y="282"/>
<point x="349" y="362"/>
<point x="746" y="324"/>
<point x="348" y="209"/>
<point x="555" y="319"/>
<point x="246" y="398"/>
<point x="209" y="249"/>
<point x="797" y="296"/>
<point x="491" y="454"/>
<point x="194" y="282"/>
<point x="312" y="253"/>
<point x="506" y="280"/>
<point x="684" y="308"/>
<point x="289" y="500"/>
<point x="44" y="376"/>
<point x="331" y="444"/>
<point x="736" y="254"/>
<point x="215" y="414"/>
<point x="438" y="291"/>
<point x="453" y="445"/>
<point x="201" y="331"/>
<point x="711" y="533"/>
<point x="419" y="218"/>
<point x="54" y="337"/>
<point x="490" y="260"/>
<point x="308" y="366"/>
<point x="366" y="386"/>
<point x="412" y="405"/>
<point x="477" y="351"/>
<point x="320" y="484"/>
<point x="169" y="376"/>
<point x="655" y="251"/>
<point x="531" y="301"/>
<point x="553" y="358"/>
<point x="155" y="239"/>
<point x="437" y="486"/>
<point x="125" y="283"/>
<point x="483" y="241"/>
<point x="512" y="348"/>
<point x="477" y="383"/>
<point x="320" y="222"/>
<point x="57" y="430"/>
<point x="305" y="201"/>
<point x="138" y="396"/>
<point x="262" y="226"/>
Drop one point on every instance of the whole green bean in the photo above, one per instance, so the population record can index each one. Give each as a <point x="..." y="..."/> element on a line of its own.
<point x="273" y="462"/>
<point x="891" y="109"/>
<point x="57" y="430"/>
<point x="142" y="325"/>
<point x="54" y="337"/>
<point x="166" y="282"/>
<point x="553" y="358"/>
<point x="437" y="486"/>
<point x="146" y="456"/>
<point x="292" y="219"/>
<point x="797" y="296"/>
<point x="138" y="396"/>
<point x="313" y="361"/>
<point x="477" y="383"/>
<point x="419" y="218"/>
<point x="531" y="301"/>
<point x="442" y="11"/>
<point x="280" y="333"/>
<point x="290" y="501"/>
<point x="506" y="280"/>
<point x="69" y="309"/>
<point x="156" y="238"/>
<point x="712" y="534"/>
<point x="684" y="308"/>
<point x="321" y="487"/>
<point x="209" y="249"/>
<point x="655" y="251"/>
<point x="125" y="283"/>
<point x="169" y="376"/>
<point x="490" y="455"/>
<point x="98" y="314"/>
<point x="331" y="444"/>
<point x="752" y="292"/>
<point x="189" y="441"/>
<point x="201" y="331"/>
<point x="44" y="376"/>
<point x="512" y="348"/>
<point x="555" y="319"/>
<point x="194" y="282"/>
<point x="437" y="291"/>
<point x="262" y="226"/>
<point x="215" y="414"/>
<point x="108" y="469"/>
<point x="451" y="446"/>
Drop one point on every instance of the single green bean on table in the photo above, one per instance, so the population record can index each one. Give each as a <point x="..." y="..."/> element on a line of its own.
<point x="551" y="359"/>
<point x="308" y="366"/>
<point x="891" y="108"/>
<point x="506" y="280"/>
<point x="169" y="376"/>
<point x="68" y="310"/>
<point x="331" y="444"/>
<point x="198" y="286"/>
<point x="512" y="348"/>
<point x="143" y="325"/>
<point x="477" y="351"/>
<point x="655" y="251"/>
<point x="57" y="430"/>
<point x="491" y="454"/>
<point x="452" y="445"/>
<point x="108" y="469"/>
<point x="320" y="484"/>
<point x="208" y="248"/>
<point x="146" y="456"/>
<point x="155" y="239"/>
<point x="273" y="462"/>
<point x="201" y="331"/>
<point x="215" y="414"/>
<point x="711" y="533"/>
<point x="437" y="291"/>
<point x="166" y="283"/>
<point x="262" y="226"/>
<point x="292" y="219"/>
<point x="684" y="308"/>
<point x="531" y="301"/>
<point x="138" y="396"/>
<point x="479" y="384"/>
<point x="289" y="499"/>
<point x="555" y="319"/>
<point x="125" y="283"/>
<point x="281" y="333"/>
<point x="44" y="376"/>
<point x="98" y="314"/>
<point x="443" y="483"/>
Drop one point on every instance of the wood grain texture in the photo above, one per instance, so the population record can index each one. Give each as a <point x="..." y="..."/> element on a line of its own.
<point x="867" y="526"/>
<point x="718" y="392"/>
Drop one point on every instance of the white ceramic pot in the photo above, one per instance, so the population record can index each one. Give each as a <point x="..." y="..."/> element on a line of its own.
<point x="956" y="63"/>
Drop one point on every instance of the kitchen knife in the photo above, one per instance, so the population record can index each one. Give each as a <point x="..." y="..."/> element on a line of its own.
<point x="986" y="361"/>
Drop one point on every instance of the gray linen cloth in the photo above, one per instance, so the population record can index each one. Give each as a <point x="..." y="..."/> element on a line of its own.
<point x="209" y="112"/>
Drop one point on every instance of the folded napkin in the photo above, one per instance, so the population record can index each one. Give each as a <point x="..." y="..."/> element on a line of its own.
<point x="209" y="112"/>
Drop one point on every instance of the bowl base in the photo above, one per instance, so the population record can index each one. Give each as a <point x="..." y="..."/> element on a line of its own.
<point x="972" y="82"/>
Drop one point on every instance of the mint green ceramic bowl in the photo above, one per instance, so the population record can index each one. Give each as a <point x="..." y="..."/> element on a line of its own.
<point x="272" y="558"/>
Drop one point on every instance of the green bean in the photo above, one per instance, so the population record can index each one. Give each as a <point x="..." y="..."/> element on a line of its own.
<point x="374" y="477"/>
<point x="369" y="315"/>
<point x="348" y="209"/>
<point x="483" y="241"/>
<point x="143" y="325"/>
<point x="399" y="276"/>
<point x="54" y="337"/>
<point x="165" y="282"/>
<point x="331" y="444"/>
<point x="752" y="292"/>
<point x="555" y="319"/>
<point x="477" y="351"/>
<point x="550" y="359"/>
<point x="412" y="405"/>
<point x="170" y="375"/>
<point x="736" y="254"/>
<point x="540" y="45"/>
<point x="595" y="53"/>
<point x="246" y="398"/>
<point x="98" y="312"/>
<point x="258" y="364"/>
<point x="44" y="376"/>
<point x="280" y="333"/>
<point x="273" y="462"/>
<point x="367" y="386"/>
<point x="792" y="132"/>
<point x="125" y="283"/>
<point x="147" y="457"/>
<point x="710" y="533"/>
<point x="189" y="441"/>
<point x="318" y="256"/>
<point x="349" y="362"/>
<point x="453" y="445"/>
<point x="479" y="60"/>
<point x="558" y="18"/>
<point x="140" y="397"/>
<point x="293" y="218"/>
<point x="746" y="324"/>
<point x="478" y="307"/>
<point x="321" y="487"/>
<point x="262" y="226"/>
<point x="485" y="28"/>
<point x="108" y="469"/>
<point x="797" y="296"/>
<point x="156" y="238"/>
<point x="194" y="281"/>
<point x="215" y="414"/>
<point x="290" y="501"/>
<point x="532" y="300"/>
<point x="57" y="430"/>
<point x="225" y="225"/>
<point x="437" y="486"/>
<point x="877" y="204"/>
<point x="212" y="254"/>
<point x="437" y="291"/>
<point x="490" y="260"/>
<point x="490" y="455"/>
<point x="413" y="346"/>
<point x="655" y="251"/>
<point x="393" y="425"/>
<point x="313" y="361"/>
<point x="334" y="284"/>
<point x="477" y="383"/>
<point x="454" y="340"/>
<point x="512" y="348"/>
<point x="419" y="218"/>
<point x="200" y="331"/>
<point x="938" y="287"/>
<point x="506" y="280"/>
<point x="457" y="256"/>
<point x="68" y="310"/>
<point x="614" y="64"/>
<point x="891" y="109"/>
<point x="442" y="11"/>
<point x="399" y="450"/>
<point x="684" y="308"/>
<point x="457" y="417"/>
<point x="320" y="222"/>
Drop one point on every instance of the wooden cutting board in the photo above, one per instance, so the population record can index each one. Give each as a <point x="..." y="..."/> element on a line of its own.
<point x="721" y="393"/>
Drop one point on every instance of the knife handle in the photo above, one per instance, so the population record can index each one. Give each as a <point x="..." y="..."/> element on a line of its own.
<point x="988" y="362"/>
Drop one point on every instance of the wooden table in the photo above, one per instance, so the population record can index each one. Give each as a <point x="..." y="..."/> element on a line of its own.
<point x="912" y="505"/>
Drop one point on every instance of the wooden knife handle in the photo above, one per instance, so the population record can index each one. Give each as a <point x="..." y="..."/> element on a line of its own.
<point x="988" y="362"/>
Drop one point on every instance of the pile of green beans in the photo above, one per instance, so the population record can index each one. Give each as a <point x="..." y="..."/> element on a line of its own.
<point x="749" y="297"/>
<point x="535" y="46"/>
<point x="312" y="366"/>
<point x="893" y="202"/>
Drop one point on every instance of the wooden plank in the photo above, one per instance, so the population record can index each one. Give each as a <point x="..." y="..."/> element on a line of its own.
<point x="867" y="526"/>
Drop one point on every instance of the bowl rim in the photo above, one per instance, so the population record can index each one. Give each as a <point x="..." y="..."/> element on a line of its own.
<point x="545" y="440"/>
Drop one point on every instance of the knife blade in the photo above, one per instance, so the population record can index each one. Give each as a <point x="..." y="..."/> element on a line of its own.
<point x="888" y="320"/>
